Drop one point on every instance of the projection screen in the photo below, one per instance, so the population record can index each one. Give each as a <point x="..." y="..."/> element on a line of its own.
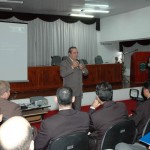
<point x="13" y="52"/>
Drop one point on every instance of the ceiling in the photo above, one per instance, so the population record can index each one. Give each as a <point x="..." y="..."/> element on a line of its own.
<point x="64" y="7"/>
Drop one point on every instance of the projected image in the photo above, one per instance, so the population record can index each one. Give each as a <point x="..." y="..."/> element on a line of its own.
<point x="13" y="51"/>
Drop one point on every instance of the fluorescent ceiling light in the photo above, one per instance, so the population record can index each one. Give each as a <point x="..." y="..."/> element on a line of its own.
<point x="5" y="8"/>
<point x="82" y="15"/>
<point x="90" y="10"/>
<point x="96" y="11"/>
<point x="11" y="1"/>
<point x="98" y="5"/>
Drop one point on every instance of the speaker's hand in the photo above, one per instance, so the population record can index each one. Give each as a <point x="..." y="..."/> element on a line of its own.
<point x="81" y="66"/>
<point x="75" y="64"/>
<point x="96" y="103"/>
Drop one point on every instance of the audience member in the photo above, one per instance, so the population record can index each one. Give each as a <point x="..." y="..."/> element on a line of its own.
<point x="16" y="134"/>
<point x="71" y="70"/>
<point x="142" y="113"/>
<point x="8" y="109"/>
<point x="107" y="114"/>
<point x="66" y="121"/>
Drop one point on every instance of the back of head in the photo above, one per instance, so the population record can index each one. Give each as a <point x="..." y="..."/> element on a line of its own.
<point x="104" y="91"/>
<point x="64" y="96"/>
<point x="4" y="87"/>
<point x="146" y="85"/>
<point x="15" y="134"/>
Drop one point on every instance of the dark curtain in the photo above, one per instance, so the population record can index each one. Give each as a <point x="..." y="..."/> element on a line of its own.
<point x="131" y="43"/>
<point x="50" y="18"/>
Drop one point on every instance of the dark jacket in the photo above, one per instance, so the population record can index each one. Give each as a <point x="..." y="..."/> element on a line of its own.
<point x="9" y="109"/>
<point x="108" y="114"/>
<point x="141" y="116"/>
<point x="65" y="122"/>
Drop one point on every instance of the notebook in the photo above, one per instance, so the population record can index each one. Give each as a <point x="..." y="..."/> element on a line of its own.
<point x="145" y="139"/>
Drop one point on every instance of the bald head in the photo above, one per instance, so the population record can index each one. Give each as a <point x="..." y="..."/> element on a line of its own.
<point x="15" y="134"/>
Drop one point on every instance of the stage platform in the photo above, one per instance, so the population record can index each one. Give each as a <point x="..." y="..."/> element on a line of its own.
<point x="51" y="92"/>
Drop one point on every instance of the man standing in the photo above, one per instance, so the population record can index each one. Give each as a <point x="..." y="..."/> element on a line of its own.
<point x="8" y="109"/>
<point x="65" y="122"/>
<point x="108" y="114"/>
<point x="71" y="70"/>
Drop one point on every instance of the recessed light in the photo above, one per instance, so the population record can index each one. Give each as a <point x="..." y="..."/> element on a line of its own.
<point x="5" y="8"/>
<point x="98" y="5"/>
<point x="90" y="10"/>
<point x="96" y="11"/>
<point x="82" y="15"/>
<point x="8" y="1"/>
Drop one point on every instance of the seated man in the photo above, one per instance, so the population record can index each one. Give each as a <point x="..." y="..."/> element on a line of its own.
<point x="66" y="121"/>
<point x="142" y="113"/>
<point x="16" y="134"/>
<point x="8" y="109"/>
<point x="108" y="113"/>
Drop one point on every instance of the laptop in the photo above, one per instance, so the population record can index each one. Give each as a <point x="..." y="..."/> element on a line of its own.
<point x="145" y="139"/>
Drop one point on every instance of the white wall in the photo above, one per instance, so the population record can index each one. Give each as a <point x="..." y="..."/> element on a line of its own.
<point x="127" y="26"/>
<point x="122" y="27"/>
<point x="109" y="51"/>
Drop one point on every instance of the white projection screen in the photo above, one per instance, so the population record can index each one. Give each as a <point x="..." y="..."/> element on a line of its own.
<point x="13" y="52"/>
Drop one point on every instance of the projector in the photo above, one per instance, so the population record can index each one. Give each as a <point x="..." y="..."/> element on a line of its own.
<point x="38" y="101"/>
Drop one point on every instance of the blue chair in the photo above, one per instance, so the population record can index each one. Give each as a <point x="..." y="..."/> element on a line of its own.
<point x="84" y="61"/>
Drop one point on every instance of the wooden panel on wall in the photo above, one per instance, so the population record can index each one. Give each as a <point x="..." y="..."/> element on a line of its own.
<point x="137" y="75"/>
<point x="48" y="77"/>
<point x="31" y="84"/>
<point x="92" y="76"/>
<point x="110" y="72"/>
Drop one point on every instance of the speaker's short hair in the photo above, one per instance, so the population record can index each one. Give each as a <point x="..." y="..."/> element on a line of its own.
<point x="4" y="87"/>
<point x="64" y="95"/>
<point x="104" y="91"/>
<point x="70" y="49"/>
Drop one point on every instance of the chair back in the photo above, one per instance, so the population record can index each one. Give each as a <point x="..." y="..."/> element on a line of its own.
<point x="98" y="60"/>
<point x="56" y="60"/>
<point x="124" y="131"/>
<point x="64" y="57"/>
<point x="146" y="128"/>
<point x="75" y="141"/>
<point x="84" y="61"/>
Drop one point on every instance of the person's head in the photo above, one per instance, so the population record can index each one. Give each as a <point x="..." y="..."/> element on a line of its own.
<point x="146" y="89"/>
<point x="16" y="134"/>
<point x="65" y="96"/>
<point x="104" y="91"/>
<point x="4" y="89"/>
<point x="73" y="53"/>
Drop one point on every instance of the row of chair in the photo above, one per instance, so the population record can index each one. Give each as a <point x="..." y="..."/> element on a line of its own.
<point x="124" y="131"/>
<point x="56" y="60"/>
